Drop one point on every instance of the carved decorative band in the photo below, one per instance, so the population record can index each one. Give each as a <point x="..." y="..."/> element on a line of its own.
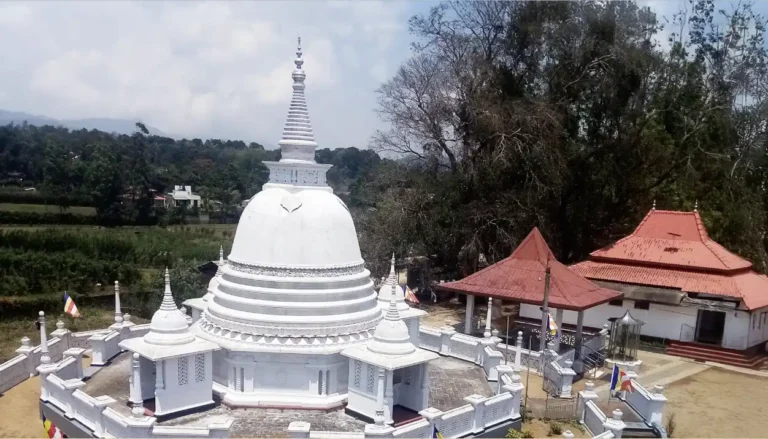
<point x="296" y="272"/>
<point x="210" y="322"/>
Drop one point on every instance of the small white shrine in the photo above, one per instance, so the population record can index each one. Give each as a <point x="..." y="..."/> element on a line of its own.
<point x="410" y="316"/>
<point x="388" y="370"/>
<point x="170" y="364"/>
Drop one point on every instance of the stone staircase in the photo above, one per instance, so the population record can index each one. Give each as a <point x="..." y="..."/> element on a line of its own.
<point x="717" y="354"/>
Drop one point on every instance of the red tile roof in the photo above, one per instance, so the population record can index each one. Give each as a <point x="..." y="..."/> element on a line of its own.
<point x="672" y="240"/>
<point x="673" y="250"/>
<point x="520" y="277"/>
<point x="748" y="286"/>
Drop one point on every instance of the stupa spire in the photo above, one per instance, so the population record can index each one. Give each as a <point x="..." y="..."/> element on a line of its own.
<point x="298" y="141"/>
<point x="221" y="255"/>
<point x="168" y="303"/>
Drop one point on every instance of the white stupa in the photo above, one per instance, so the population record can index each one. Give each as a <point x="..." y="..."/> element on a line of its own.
<point x="410" y="316"/>
<point x="294" y="292"/>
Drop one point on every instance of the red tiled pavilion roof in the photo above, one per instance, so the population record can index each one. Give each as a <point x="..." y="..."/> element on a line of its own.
<point x="672" y="240"/>
<point x="673" y="250"/>
<point x="520" y="277"/>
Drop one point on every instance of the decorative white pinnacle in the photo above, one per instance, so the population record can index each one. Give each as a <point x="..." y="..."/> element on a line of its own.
<point x="168" y="303"/>
<point x="118" y="311"/>
<point x="654" y="205"/>
<point x="298" y="141"/>
<point x="391" y="336"/>
<point x="221" y="255"/>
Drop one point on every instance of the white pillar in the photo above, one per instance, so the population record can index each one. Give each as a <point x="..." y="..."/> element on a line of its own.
<point x="299" y="429"/>
<point x="380" y="417"/>
<point x="159" y="372"/>
<point x="588" y="394"/>
<point x="656" y="405"/>
<point x="488" y="319"/>
<point x="559" y="323"/>
<point x="118" y="311"/>
<point x="615" y="424"/>
<point x="519" y="350"/>
<point x="136" y="398"/>
<point x="26" y="349"/>
<point x="44" y="357"/>
<point x="63" y="333"/>
<point x="469" y="314"/>
<point x="389" y="402"/>
<point x="424" y="385"/>
<point x="478" y="425"/>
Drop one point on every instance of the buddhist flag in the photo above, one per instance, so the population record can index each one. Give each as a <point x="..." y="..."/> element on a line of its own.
<point x="51" y="430"/>
<point x="552" y="326"/>
<point x="436" y="433"/>
<point x="620" y="380"/>
<point x="69" y="306"/>
<point x="409" y="296"/>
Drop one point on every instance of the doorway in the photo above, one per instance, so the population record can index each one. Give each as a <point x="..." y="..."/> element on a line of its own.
<point x="710" y="326"/>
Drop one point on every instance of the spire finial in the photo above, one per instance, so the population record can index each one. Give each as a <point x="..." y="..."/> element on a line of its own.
<point x="168" y="303"/>
<point x="696" y="206"/>
<point x="654" y="204"/>
<point x="392" y="313"/>
<point x="221" y="255"/>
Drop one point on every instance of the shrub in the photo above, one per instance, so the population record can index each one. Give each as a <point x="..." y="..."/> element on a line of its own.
<point x="555" y="429"/>
<point x="35" y="218"/>
<point x="513" y="434"/>
<point x="527" y="434"/>
<point x="671" y="425"/>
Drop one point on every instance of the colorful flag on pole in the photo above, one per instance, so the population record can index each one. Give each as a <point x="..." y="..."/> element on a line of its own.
<point x="552" y="326"/>
<point x="410" y="296"/>
<point x="436" y="433"/>
<point x="69" y="306"/>
<point x="620" y="380"/>
<point x="51" y="430"/>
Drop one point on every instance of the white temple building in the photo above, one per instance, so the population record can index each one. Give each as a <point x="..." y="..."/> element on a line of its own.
<point x="294" y="292"/>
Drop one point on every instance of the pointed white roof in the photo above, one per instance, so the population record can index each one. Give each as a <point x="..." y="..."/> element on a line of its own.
<point x="215" y="280"/>
<point x="391" y="346"/>
<point x="390" y="287"/>
<point x="298" y="141"/>
<point x="169" y="334"/>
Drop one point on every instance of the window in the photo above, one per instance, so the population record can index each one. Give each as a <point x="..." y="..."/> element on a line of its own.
<point x="642" y="304"/>
<point x="616" y="302"/>
<point x="358" y="371"/>
<point x="371" y="378"/>
<point x="183" y="367"/>
<point x="199" y="368"/>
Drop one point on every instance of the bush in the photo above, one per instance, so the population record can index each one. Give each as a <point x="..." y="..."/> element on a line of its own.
<point x="513" y="434"/>
<point x="671" y="425"/>
<point x="35" y="218"/>
<point x="555" y="429"/>
<point x="527" y="434"/>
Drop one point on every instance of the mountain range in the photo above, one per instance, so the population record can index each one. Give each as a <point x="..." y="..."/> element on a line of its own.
<point x="119" y="126"/>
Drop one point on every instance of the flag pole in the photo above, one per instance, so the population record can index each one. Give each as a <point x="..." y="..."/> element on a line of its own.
<point x="545" y="311"/>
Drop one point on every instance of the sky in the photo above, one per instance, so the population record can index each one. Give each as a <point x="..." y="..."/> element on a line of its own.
<point x="208" y="70"/>
<point x="215" y="69"/>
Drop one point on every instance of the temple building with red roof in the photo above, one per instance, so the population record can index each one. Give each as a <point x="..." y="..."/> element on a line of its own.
<point x="685" y="286"/>
<point x="521" y="278"/>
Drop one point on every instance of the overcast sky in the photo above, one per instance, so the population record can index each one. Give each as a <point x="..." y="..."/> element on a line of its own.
<point x="207" y="69"/>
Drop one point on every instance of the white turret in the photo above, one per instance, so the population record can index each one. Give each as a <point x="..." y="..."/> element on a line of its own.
<point x="391" y="336"/>
<point x="168" y="326"/>
<point x="389" y="288"/>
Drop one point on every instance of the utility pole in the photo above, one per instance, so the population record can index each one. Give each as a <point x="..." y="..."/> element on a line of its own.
<point x="545" y="311"/>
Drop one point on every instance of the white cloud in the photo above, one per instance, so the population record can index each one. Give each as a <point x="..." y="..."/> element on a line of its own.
<point x="212" y="69"/>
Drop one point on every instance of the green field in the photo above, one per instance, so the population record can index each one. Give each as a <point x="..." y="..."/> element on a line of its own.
<point x="42" y="208"/>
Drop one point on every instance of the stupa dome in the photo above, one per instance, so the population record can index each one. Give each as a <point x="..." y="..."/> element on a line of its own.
<point x="168" y="325"/>
<point x="286" y="227"/>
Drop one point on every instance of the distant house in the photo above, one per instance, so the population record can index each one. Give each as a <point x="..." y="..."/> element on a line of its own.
<point x="183" y="196"/>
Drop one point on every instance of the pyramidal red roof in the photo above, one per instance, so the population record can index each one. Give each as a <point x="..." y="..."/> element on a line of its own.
<point x="672" y="240"/>
<point x="520" y="277"/>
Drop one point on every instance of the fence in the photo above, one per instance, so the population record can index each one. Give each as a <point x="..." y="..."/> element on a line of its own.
<point x="96" y="415"/>
<point x="478" y="415"/>
<point x="594" y="418"/>
<point x="649" y="405"/>
<point x="446" y="341"/>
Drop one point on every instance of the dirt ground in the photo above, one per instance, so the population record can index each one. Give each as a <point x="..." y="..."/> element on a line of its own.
<point x="718" y="403"/>
<point x="540" y="428"/>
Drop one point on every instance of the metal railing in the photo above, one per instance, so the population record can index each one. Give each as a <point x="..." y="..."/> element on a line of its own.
<point x="592" y="360"/>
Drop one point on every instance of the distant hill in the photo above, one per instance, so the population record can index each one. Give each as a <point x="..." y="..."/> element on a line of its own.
<point x="119" y="126"/>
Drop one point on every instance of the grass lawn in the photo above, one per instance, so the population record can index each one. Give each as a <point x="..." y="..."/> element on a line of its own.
<point x="42" y="208"/>
<point x="13" y="329"/>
